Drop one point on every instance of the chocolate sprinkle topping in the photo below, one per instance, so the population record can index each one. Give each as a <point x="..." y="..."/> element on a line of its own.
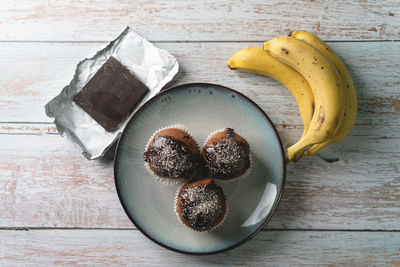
<point x="170" y="158"/>
<point x="202" y="206"/>
<point x="227" y="159"/>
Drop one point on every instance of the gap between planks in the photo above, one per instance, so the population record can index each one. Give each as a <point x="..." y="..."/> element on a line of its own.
<point x="135" y="229"/>
<point x="185" y="41"/>
<point x="48" y="128"/>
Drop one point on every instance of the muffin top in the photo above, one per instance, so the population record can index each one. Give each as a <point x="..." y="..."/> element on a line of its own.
<point x="226" y="155"/>
<point x="201" y="204"/>
<point x="172" y="154"/>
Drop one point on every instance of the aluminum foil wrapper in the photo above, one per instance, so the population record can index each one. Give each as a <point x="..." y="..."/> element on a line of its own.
<point x="153" y="66"/>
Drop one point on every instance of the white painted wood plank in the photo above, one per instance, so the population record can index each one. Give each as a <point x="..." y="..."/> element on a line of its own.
<point x="28" y="128"/>
<point x="31" y="74"/>
<point x="57" y="187"/>
<point x="131" y="248"/>
<point x="197" y="20"/>
<point x="46" y="182"/>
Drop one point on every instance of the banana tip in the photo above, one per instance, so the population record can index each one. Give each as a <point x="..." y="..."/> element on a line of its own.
<point x="266" y="46"/>
<point x="293" y="157"/>
<point x="293" y="33"/>
<point x="230" y="64"/>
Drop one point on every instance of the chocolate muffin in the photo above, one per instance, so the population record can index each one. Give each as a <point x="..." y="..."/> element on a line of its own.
<point x="201" y="205"/>
<point x="172" y="153"/>
<point x="226" y="155"/>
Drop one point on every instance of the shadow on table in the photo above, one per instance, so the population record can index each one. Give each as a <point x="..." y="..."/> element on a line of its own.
<point x="109" y="155"/>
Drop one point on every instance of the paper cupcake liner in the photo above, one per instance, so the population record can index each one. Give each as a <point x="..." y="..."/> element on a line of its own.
<point x="244" y="175"/>
<point x="164" y="180"/>
<point x="200" y="231"/>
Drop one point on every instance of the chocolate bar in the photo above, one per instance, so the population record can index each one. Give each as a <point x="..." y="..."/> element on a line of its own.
<point x="111" y="94"/>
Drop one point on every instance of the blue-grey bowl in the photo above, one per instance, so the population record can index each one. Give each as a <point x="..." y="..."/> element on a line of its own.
<point x="202" y="108"/>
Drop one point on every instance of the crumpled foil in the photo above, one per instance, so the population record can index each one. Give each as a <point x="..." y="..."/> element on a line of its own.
<point x="153" y="66"/>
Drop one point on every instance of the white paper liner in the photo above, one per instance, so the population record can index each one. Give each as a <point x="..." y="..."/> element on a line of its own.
<point x="164" y="180"/>
<point x="200" y="231"/>
<point x="245" y="174"/>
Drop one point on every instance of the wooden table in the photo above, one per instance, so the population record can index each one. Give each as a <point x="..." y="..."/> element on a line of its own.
<point x="56" y="207"/>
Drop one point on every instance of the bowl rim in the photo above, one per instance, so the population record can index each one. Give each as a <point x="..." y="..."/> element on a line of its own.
<point x="277" y="199"/>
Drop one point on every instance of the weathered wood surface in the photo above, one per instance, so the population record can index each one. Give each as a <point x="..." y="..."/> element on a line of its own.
<point x="198" y="20"/>
<point x="131" y="248"/>
<point x="342" y="213"/>
<point x="46" y="182"/>
<point x="32" y="74"/>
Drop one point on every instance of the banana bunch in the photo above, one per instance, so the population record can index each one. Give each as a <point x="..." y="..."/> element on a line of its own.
<point x="317" y="78"/>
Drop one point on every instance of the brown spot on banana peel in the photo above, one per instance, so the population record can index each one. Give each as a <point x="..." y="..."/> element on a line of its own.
<point x="297" y="156"/>
<point x="284" y="50"/>
<point x="321" y="117"/>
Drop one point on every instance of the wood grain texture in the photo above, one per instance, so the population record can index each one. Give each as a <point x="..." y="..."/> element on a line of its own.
<point x="57" y="187"/>
<point x="32" y="74"/>
<point x="131" y="248"/>
<point x="46" y="182"/>
<point x="198" y="20"/>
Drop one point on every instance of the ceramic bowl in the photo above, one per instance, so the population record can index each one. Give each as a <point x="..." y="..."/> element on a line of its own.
<point x="202" y="108"/>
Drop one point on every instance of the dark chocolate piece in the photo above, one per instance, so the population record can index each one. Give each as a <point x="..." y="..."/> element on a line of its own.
<point x="111" y="94"/>
<point x="202" y="206"/>
<point x="170" y="158"/>
<point x="227" y="159"/>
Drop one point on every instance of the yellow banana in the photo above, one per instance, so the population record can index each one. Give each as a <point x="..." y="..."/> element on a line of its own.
<point x="325" y="83"/>
<point x="350" y="95"/>
<point x="256" y="60"/>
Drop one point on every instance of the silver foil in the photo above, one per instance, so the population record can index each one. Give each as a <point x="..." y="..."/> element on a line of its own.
<point x="153" y="66"/>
